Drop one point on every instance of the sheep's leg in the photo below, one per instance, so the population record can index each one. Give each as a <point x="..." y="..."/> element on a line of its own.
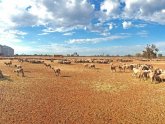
<point x="23" y="74"/>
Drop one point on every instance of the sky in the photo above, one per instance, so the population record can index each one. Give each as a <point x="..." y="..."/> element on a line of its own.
<point x="88" y="27"/>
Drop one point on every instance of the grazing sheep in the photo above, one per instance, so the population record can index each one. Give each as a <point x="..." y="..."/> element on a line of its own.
<point x="122" y="67"/>
<point x="47" y="65"/>
<point x="151" y="75"/>
<point x="92" y="66"/>
<point x="131" y="66"/>
<point x="160" y="77"/>
<point x="158" y="71"/>
<point x="17" y="66"/>
<point x="136" y="72"/>
<point x="144" y="74"/>
<point x="8" y="63"/>
<point x="19" y="70"/>
<point x="1" y="75"/>
<point x="113" y="67"/>
<point x="86" y="65"/>
<point x="67" y="62"/>
<point x="57" y="71"/>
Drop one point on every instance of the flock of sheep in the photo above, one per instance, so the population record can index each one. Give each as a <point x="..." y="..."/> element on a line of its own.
<point x="141" y="71"/>
<point x="57" y="71"/>
<point x="17" y="68"/>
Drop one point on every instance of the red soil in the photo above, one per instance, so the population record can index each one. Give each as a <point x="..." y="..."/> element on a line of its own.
<point x="79" y="96"/>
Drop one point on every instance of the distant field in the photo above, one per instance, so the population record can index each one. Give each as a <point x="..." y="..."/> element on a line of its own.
<point x="79" y="95"/>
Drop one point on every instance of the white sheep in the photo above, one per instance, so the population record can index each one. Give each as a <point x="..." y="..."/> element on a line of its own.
<point x="57" y="71"/>
<point x="19" y="70"/>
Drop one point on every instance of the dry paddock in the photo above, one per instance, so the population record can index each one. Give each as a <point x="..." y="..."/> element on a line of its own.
<point x="79" y="96"/>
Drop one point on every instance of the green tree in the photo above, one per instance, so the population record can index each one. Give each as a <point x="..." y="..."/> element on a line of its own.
<point x="150" y="51"/>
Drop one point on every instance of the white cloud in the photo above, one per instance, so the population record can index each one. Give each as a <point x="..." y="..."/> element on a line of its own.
<point x="142" y="33"/>
<point x="17" y="32"/>
<point x="55" y="16"/>
<point x="148" y="10"/>
<point x="67" y="15"/>
<point x="110" y="7"/>
<point x="110" y="26"/>
<point x="7" y="38"/>
<point x="127" y="25"/>
<point x="44" y="33"/>
<point x="68" y="33"/>
<point x="95" y="40"/>
<point x="140" y="25"/>
<point x="49" y="13"/>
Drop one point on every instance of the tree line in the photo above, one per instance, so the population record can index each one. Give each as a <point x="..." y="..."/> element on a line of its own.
<point x="150" y="51"/>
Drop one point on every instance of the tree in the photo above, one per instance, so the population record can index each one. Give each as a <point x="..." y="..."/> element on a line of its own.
<point x="150" y="51"/>
<point x="129" y="55"/>
<point x="75" y="54"/>
<point x="160" y="55"/>
<point x="138" y="55"/>
<point x="68" y="54"/>
<point x="107" y="55"/>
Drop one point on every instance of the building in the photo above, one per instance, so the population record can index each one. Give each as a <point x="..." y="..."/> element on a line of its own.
<point x="6" y="51"/>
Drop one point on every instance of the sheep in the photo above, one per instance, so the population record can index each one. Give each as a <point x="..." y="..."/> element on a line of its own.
<point x="66" y="62"/>
<point x="131" y="66"/>
<point x="17" y="66"/>
<point x="8" y="63"/>
<point x="160" y="77"/>
<point x="47" y="65"/>
<point x="86" y="65"/>
<point x="113" y="67"/>
<point x="1" y="75"/>
<point x="151" y="75"/>
<point x="144" y="74"/>
<point x="57" y="71"/>
<point x="19" y="70"/>
<point x="92" y="66"/>
<point x="122" y="67"/>
<point x="136" y="72"/>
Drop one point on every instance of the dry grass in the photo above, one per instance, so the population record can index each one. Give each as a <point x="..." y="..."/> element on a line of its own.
<point x="79" y="95"/>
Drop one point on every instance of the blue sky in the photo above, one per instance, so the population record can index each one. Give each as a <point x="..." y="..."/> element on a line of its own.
<point x="89" y="27"/>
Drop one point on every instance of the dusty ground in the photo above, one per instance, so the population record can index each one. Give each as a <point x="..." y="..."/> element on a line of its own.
<point x="79" y="96"/>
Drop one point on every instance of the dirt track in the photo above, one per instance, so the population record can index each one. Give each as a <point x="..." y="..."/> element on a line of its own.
<point x="79" y="96"/>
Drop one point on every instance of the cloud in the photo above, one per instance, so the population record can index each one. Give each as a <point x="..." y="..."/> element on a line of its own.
<point x="59" y="14"/>
<point x="65" y="49"/>
<point x="65" y="16"/>
<point x="68" y="33"/>
<point x="17" y="32"/>
<point x="94" y="40"/>
<point x="110" y="9"/>
<point x="149" y="10"/>
<point x="142" y="33"/>
<point x="127" y="25"/>
<point x="110" y="26"/>
<point x="44" y="33"/>
<point x="8" y="37"/>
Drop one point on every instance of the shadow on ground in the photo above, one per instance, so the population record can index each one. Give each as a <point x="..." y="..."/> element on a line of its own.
<point x="6" y="78"/>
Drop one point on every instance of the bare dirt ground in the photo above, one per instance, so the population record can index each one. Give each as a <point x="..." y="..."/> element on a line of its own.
<point x="79" y="96"/>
